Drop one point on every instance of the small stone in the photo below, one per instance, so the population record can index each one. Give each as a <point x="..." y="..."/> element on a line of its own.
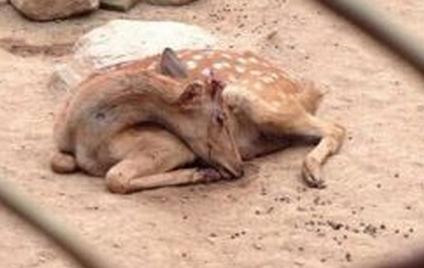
<point x="371" y="230"/>
<point x="271" y="35"/>
<point x="92" y="207"/>
<point x="118" y="5"/>
<point x="348" y="257"/>
<point x="257" y="246"/>
<point x="53" y="9"/>
<point x="336" y="226"/>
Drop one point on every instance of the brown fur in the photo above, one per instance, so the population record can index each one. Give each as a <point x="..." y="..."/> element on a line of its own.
<point x="265" y="106"/>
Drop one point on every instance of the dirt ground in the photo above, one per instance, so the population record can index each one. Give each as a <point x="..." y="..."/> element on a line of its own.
<point x="371" y="209"/>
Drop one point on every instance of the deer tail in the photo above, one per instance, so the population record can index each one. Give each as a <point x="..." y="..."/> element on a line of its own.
<point x="310" y="96"/>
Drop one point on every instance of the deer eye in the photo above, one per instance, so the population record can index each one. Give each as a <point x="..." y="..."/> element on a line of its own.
<point x="219" y="118"/>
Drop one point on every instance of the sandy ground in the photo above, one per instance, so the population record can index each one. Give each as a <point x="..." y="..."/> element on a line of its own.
<point x="371" y="209"/>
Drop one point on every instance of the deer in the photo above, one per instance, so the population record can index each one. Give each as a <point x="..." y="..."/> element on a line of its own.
<point x="245" y="107"/>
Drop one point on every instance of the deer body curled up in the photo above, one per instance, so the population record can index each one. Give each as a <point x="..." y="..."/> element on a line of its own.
<point x="138" y="122"/>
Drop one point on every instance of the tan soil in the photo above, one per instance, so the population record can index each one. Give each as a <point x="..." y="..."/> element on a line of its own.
<point x="371" y="209"/>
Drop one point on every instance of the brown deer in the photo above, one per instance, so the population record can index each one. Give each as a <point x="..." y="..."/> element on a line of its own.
<point x="101" y="130"/>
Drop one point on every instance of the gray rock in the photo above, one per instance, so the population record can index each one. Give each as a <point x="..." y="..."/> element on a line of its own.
<point x="44" y="10"/>
<point x="124" y="40"/>
<point x="169" y="2"/>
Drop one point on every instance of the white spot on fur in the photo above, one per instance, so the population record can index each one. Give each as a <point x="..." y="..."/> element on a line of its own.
<point x="206" y="72"/>
<point x="198" y="57"/>
<point x="267" y="79"/>
<point x="220" y="65"/>
<point x="255" y="72"/>
<point x="226" y="64"/>
<point x="191" y="65"/>
<point x="217" y="66"/>
<point x="240" y="69"/>
<point x="226" y="56"/>
<point x="253" y="60"/>
<point x="242" y="60"/>
<point x="274" y="75"/>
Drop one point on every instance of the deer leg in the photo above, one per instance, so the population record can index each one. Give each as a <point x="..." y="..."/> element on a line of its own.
<point x="173" y="178"/>
<point x="145" y="168"/>
<point x="294" y="120"/>
<point x="332" y="136"/>
<point x="141" y="172"/>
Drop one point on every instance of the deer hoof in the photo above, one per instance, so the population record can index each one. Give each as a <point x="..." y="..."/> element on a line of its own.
<point x="311" y="173"/>
<point x="210" y="175"/>
<point x="117" y="183"/>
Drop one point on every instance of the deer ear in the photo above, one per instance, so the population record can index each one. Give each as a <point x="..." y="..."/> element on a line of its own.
<point x="216" y="87"/>
<point x="170" y="65"/>
<point x="192" y="95"/>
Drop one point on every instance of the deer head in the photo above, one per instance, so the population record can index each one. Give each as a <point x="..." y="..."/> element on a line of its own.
<point x="211" y="135"/>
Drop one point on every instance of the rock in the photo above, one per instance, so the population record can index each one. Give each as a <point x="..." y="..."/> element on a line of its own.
<point x="169" y="2"/>
<point x="44" y="10"/>
<point x="125" y="40"/>
<point x="119" y="5"/>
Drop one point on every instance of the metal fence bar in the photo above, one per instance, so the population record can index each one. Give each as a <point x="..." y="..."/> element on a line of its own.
<point x="57" y="231"/>
<point x="373" y="21"/>
<point x="382" y="28"/>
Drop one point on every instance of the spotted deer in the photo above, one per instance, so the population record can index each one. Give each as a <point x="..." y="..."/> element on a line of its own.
<point x="261" y="106"/>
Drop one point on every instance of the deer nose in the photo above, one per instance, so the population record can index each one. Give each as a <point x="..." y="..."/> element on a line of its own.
<point x="234" y="170"/>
